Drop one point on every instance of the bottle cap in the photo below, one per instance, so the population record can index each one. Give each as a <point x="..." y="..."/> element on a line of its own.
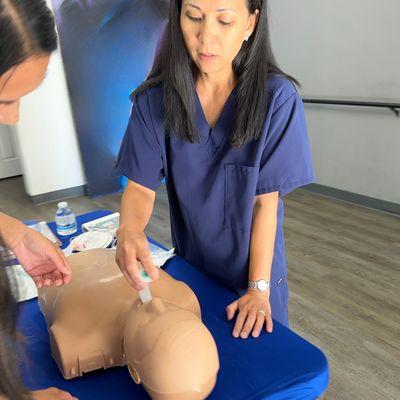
<point x="62" y="204"/>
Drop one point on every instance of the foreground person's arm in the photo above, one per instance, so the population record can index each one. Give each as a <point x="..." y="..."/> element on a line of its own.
<point x="51" y="394"/>
<point x="40" y="258"/>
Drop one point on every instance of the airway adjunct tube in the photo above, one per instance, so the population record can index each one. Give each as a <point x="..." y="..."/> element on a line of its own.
<point x="145" y="295"/>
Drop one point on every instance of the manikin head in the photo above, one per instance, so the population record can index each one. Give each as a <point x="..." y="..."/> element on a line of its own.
<point x="170" y="351"/>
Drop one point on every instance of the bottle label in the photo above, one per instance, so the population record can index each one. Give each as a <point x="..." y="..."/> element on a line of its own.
<point x="66" y="227"/>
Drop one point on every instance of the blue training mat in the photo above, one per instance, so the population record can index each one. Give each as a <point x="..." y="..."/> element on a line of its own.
<point x="277" y="366"/>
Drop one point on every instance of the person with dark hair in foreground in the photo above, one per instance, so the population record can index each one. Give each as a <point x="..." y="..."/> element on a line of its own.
<point x="11" y="386"/>
<point x="27" y="39"/>
<point x="225" y="126"/>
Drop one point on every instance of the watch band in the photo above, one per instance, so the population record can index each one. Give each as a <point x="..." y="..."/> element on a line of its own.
<point x="253" y="285"/>
<point x="262" y="285"/>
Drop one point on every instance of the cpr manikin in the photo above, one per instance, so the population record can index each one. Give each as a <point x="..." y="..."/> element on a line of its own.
<point x="98" y="321"/>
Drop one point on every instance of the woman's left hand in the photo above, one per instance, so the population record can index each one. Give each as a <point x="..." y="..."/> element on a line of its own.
<point x="41" y="259"/>
<point x="254" y="312"/>
<point x="51" y="394"/>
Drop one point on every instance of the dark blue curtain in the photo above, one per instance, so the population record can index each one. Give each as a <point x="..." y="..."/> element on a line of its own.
<point x="108" y="48"/>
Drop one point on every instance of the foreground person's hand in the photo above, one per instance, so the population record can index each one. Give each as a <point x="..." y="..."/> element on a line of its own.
<point x="254" y="312"/>
<point x="132" y="248"/>
<point x="51" y="394"/>
<point x="41" y="259"/>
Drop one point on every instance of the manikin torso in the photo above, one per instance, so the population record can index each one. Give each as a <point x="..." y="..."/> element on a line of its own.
<point x="98" y="321"/>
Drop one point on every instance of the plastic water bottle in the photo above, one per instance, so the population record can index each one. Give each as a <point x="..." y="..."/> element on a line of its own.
<point x="65" y="220"/>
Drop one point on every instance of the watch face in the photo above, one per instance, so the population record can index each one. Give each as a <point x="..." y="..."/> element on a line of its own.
<point x="262" y="285"/>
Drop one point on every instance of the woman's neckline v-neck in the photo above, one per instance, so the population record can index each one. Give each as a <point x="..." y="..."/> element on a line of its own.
<point x="224" y="109"/>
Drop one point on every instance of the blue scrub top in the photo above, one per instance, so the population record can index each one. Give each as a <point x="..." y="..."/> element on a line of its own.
<point x="211" y="185"/>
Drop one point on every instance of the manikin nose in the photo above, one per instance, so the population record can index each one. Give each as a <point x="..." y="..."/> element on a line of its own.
<point x="157" y="305"/>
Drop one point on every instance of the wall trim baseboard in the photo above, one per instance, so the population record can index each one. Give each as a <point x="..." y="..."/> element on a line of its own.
<point x="354" y="198"/>
<point x="359" y="199"/>
<point x="58" y="195"/>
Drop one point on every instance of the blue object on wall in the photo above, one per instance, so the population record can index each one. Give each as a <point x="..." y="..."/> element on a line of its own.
<point x="108" y="48"/>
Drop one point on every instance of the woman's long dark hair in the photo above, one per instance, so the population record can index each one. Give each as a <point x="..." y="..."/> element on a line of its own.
<point x="27" y="28"/>
<point x="11" y="386"/>
<point x="174" y="69"/>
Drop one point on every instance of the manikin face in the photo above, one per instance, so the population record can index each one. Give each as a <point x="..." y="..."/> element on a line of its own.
<point x="214" y="31"/>
<point x="17" y="82"/>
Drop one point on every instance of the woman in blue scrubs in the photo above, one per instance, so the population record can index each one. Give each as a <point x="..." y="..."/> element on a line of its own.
<point x="226" y="129"/>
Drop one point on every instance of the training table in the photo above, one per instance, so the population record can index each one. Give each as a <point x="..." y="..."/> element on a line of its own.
<point x="277" y="366"/>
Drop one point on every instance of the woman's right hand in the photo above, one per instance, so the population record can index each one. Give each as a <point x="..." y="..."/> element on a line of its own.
<point x="132" y="248"/>
<point x="51" y="394"/>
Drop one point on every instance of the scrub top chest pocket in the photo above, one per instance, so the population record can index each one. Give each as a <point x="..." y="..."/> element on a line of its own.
<point x="240" y="189"/>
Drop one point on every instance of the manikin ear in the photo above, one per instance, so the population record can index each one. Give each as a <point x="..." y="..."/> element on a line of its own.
<point x="134" y="374"/>
<point x="252" y="23"/>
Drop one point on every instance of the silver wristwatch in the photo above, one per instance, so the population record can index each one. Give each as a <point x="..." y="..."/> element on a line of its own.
<point x="262" y="285"/>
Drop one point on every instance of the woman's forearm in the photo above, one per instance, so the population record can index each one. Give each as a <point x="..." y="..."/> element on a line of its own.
<point x="132" y="246"/>
<point x="11" y="230"/>
<point x="136" y="207"/>
<point x="263" y="235"/>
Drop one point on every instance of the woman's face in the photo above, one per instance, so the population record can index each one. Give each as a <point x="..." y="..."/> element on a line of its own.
<point x="17" y="82"/>
<point x="214" y="31"/>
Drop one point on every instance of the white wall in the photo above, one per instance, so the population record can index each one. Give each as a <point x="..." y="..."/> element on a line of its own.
<point x="48" y="145"/>
<point x="346" y="49"/>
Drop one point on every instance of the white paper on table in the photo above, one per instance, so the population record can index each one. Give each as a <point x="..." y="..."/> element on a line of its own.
<point x="160" y="256"/>
<point x="22" y="285"/>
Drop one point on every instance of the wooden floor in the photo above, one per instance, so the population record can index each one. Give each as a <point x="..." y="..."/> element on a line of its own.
<point x="344" y="278"/>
